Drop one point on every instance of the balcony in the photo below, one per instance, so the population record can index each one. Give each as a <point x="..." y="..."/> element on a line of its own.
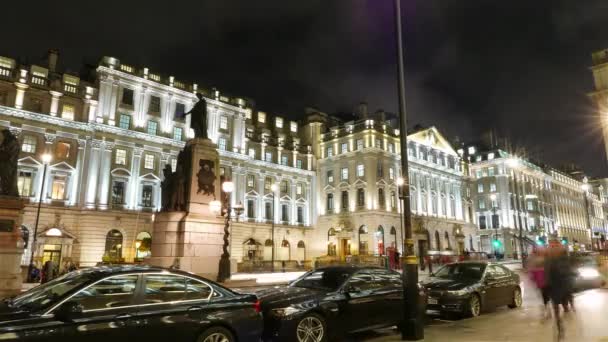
<point x="41" y="81"/>
<point x="6" y="72"/>
<point x="70" y="88"/>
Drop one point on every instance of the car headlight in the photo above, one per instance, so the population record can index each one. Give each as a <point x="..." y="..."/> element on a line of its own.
<point x="285" y="312"/>
<point x="588" y="272"/>
<point x="458" y="293"/>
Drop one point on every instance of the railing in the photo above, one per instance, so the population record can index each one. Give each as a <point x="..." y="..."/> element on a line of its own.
<point x="39" y="80"/>
<point x="6" y="72"/>
<point x="70" y="88"/>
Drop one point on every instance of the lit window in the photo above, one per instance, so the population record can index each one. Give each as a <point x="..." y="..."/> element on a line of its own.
<point x="491" y="171"/>
<point x="125" y="121"/>
<point x="221" y="142"/>
<point x="490" y="156"/>
<point x="29" y="144"/>
<point x="344" y="173"/>
<point x="268" y="157"/>
<point x="250" y="181"/>
<point x="299" y="163"/>
<point x="261" y="117"/>
<point x="67" y="112"/>
<point x="471" y="150"/>
<point x="391" y="148"/>
<point x="252" y="153"/>
<point x="479" y="174"/>
<point x="391" y="173"/>
<point x="360" y="170"/>
<point x="118" y="193"/>
<point x="359" y="144"/>
<point x="279" y="122"/>
<point x="284" y="160"/>
<point x="268" y="183"/>
<point x="248" y="114"/>
<point x="62" y="150"/>
<point x="223" y="122"/>
<point x="492" y="187"/>
<point x="152" y="127"/>
<point x="293" y="126"/>
<point x="378" y="143"/>
<point x="173" y="164"/>
<point x="330" y="151"/>
<point x="177" y="133"/>
<point x="24" y="183"/>
<point x="146" y="196"/>
<point x="479" y="188"/>
<point x="299" y="189"/>
<point x="330" y="176"/>
<point x="149" y="162"/>
<point x="58" y="188"/>
<point x="121" y="157"/>
<point x="344" y="148"/>
<point x="482" y="204"/>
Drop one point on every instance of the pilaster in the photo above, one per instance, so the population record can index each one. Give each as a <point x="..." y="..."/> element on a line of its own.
<point x="55" y="95"/>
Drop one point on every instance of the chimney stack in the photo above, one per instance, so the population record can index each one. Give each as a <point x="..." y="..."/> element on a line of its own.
<point x="362" y="110"/>
<point x="380" y="115"/>
<point x="53" y="55"/>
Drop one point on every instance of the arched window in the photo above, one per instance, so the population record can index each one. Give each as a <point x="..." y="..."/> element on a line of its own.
<point x="301" y="244"/>
<point x="252" y="250"/>
<point x="284" y="243"/>
<point x="113" y="250"/>
<point x="394" y="234"/>
<point x="143" y="245"/>
<point x="447" y="240"/>
<point x="437" y="241"/>
<point x="268" y="243"/>
<point x="25" y="235"/>
<point x="380" y="240"/>
<point x="363" y="248"/>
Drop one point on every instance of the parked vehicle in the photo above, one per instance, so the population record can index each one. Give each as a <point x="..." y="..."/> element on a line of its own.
<point x="334" y="301"/>
<point x="118" y="303"/>
<point x="588" y="275"/>
<point x="467" y="288"/>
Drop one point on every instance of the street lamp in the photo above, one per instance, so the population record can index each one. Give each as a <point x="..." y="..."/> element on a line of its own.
<point x="46" y="159"/>
<point x="400" y="182"/>
<point x="273" y="189"/>
<point x="224" y="267"/>
<point x="495" y="243"/>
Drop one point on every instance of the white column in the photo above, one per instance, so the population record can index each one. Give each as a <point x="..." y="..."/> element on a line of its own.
<point x="77" y="175"/>
<point x="55" y="95"/>
<point x="260" y="199"/>
<point x="165" y="109"/>
<point x="134" y="181"/>
<point x="93" y="172"/>
<point x="105" y="94"/>
<point x="20" y="95"/>
<point x="295" y="157"/>
<point x="236" y="128"/>
<point x="293" y="217"/>
<point x="113" y="104"/>
<point x="104" y="175"/>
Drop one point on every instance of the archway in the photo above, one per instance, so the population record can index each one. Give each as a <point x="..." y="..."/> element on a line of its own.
<point x="143" y="245"/>
<point x="447" y="240"/>
<point x="301" y="252"/>
<point x="252" y="250"/>
<point x="394" y="234"/>
<point x="331" y="242"/>
<point x="363" y="245"/>
<point x="113" y="248"/>
<point x="285" y="251"/>
<point x="268" y="245"/>
<point x="380" y="240"/>
<point x="437" y="241"/>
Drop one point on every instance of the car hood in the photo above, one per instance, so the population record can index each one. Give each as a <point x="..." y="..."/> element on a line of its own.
<point x="279" y="297"/>
<point x="448" y="284"/>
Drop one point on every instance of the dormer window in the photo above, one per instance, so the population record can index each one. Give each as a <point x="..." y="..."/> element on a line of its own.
<point x="279" y="122"/>
<point x="293" y="126"/>
<point x="261" y="117"/>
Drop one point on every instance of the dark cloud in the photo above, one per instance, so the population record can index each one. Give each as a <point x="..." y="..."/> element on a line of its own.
<point x="520" y="67"/>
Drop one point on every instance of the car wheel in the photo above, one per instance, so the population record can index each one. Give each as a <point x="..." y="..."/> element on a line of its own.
<point x="311" y="328"/>
<point x="517" y="300"/>
<point x="473" y="308"/>
<point x="216" y="334"/>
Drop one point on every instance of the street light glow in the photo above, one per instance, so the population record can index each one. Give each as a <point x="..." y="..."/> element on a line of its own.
<point x="228" y="187"/>
<point x="513" y="162"/>
<point x="215" y="207"/>
<point x="493" y="197"/>
<point x="273" y="187"/>
<point x="400" y="181"/>
<point x="46" y="158"/>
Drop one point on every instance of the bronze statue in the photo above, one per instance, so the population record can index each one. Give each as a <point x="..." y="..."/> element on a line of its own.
<point x="198" y="121"/>
<point x="9" y="150"/>
<point x="167" y="188"/>
<point x="206" y="178"/>
<point x="174" y="195"/>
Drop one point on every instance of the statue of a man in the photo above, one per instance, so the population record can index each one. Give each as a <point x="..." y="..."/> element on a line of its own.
<point x="198" y="120"/>
<point x="9" y="150"/>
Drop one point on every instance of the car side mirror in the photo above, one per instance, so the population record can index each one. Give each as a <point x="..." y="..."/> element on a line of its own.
<point x="68" y="311"/>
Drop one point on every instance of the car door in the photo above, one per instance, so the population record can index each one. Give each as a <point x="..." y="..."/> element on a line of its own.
<point x="108" y="311"/>
<point x="172" y="306"/>
<point x="390" y="295"/>
<point x="363" y="305"/>
<point x="498" y="285"/>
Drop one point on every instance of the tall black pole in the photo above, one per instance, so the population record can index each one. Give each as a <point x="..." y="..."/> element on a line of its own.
<point x="412" y="328"/>
<point x="521" y="226"/>
<point x="272" y="238"/>
<point x="224" y="267"/>
<point x="33" y="246"/>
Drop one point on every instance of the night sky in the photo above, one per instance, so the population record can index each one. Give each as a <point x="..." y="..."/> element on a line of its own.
<point x="519" y="67"/>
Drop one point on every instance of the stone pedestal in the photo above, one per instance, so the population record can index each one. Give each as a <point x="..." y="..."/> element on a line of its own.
<point x="192" y="240"/>
<point x="11" y="245"/>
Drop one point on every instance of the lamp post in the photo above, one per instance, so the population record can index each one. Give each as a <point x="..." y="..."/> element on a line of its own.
<point x="46" y="159"/>
<point x="514" y="163"/>
<point x="412" y="327"/>
<point x="224" y="267"/>
<point x="494" y="224"/>
<point x="586" y="187"/>
<point x="273" y="189"/>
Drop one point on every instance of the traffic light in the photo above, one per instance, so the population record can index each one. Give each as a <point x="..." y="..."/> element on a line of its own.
<point x="541" y="241"/>
<point x="496" y="243"/>
<point x="564" y="241"/>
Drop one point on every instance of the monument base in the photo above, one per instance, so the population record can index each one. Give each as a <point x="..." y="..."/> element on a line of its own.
<point x="11" y="245"/>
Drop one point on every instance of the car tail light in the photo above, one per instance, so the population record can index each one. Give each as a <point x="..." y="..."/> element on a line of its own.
<point x="257" y="306"/>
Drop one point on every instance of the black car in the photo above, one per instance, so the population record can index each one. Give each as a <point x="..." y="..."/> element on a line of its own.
<point x="469" y="287"/>
<point x="119" y="303"/>
<point x="333" y="301"/>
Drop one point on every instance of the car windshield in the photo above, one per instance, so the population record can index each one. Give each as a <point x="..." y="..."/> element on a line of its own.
<point x="458" y="271"/>
<point x="43" y="296"/>
<point x="329" y="279"/>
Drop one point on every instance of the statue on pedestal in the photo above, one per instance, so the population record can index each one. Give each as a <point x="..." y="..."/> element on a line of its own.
<point x="174" y="185"/>
<point x="9" y="150"/>
<point x="198" y="121"/>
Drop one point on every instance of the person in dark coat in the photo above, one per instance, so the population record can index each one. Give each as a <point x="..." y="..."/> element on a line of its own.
<point x="558" y="277"/>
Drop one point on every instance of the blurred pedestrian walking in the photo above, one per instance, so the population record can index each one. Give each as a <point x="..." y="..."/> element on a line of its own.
<point x="537" y="275"/>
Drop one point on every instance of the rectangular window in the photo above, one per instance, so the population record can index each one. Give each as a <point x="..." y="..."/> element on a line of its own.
<point x="344" y="200"/>
<point x="492" y="187"/>
<point x="278" y="122"/>
<point x="268" y="211"/>
<point x="530" y="205"/>
<point x="250" y="208"/>
<point x="152" y="127"/>
<point x="121" y="157"/>
<point x="250" y="181"/>
<point x="268" y="157"/>
<point x="180" y="110"/>
<point x="154" y="106"/>
<point x="268" y="184"/>
<point x="330" y="202"/>
<point x="490" y="156"/>
<point x="391" y="173"/>
<point x="344" y="174"/>
<point x="378" y="143"/>
<point x="284" y="213"/>
<point x="299" y="189"/>
<point x="177" y="133"/>
<point x="482" y="204"/>
<point x="252" y="153"/>
<point x="284" y="160"/>
<point x="360" y="197"/>
<point x="479" y="188"/>
<point x="125" y="121"/>
<point x="261" y="117"/>
<point x="330" y="176"/>
<point x="299" y="163"/>
<point x="29" y="144"/>
<point x="118" y="193"/>
<point x="391" y="148"/>
<point x="491" y="171"/>
<point x="330" y="151"/>
<point x="24" y="183"/>
<point x="360" y="144"/>
<point x="221" y="143"/>
<point x="300" y="215"/>
<point x="360" y="170"/>
<point x="62" y="150"/>
<point x="482" y="222"/>
<point x="284" y="187"/>
<point x="223" y="122"/>
<point x="293" y="126"/>
<point x="58" y="188"/>
<point x="146" y="196"/>
<point x="344" y="148"/>
<point x="173" y="164"/>
<point x="380" y="169"/>
<point x="67" y="112"/>
<point x="127" y="96"/>
<point x="149" y="162"/>
<point x="478" y="174"/>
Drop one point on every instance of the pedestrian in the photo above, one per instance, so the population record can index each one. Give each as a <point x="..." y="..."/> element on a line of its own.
<point x="557" y="277"/>
<point x="48" y="271"/>
<point x="537" y="275"/>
